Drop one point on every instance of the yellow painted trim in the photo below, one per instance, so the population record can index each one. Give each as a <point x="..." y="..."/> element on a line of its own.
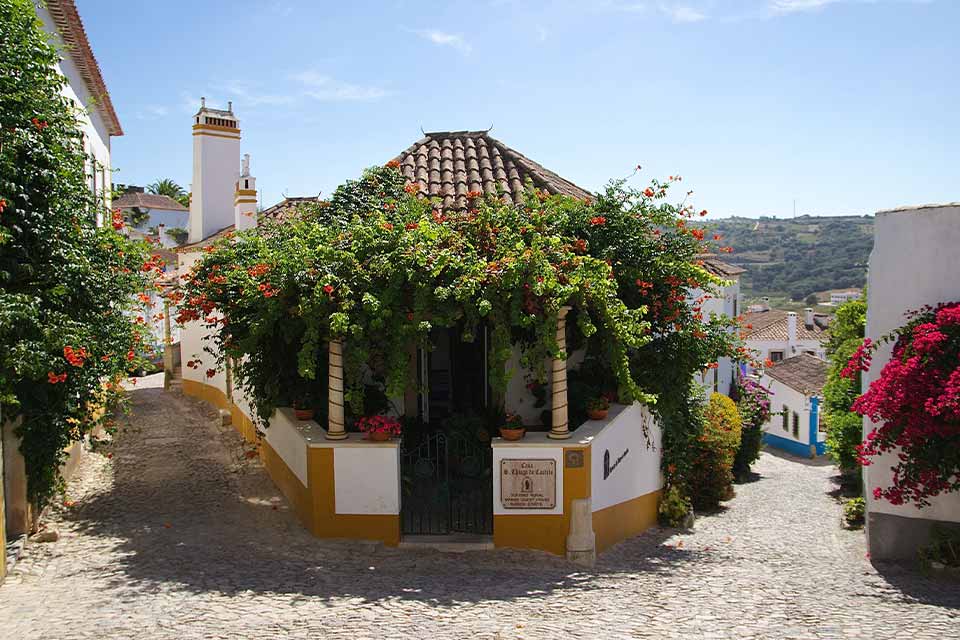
<point x="215" y="135"/>
<point x="327" y="522"/>
<point x="290" y="486"/>
<point x="215" y="127"/>
<point x="245" y="192"/>
<point x="545" y="532"/>
<point x="236" y="202"/>
<point x="625" y="520"/>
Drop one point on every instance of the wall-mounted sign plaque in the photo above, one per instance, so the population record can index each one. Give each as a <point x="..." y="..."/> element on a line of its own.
<point x="528" y="484"/>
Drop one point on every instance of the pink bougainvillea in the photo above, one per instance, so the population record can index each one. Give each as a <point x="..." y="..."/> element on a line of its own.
<point x="915" y="403"/>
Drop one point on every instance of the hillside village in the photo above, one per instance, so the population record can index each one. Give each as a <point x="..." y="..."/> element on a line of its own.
<point x="461" y="395"/>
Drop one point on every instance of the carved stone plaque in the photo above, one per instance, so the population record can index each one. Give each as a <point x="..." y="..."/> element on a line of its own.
<point x="528" y="483"/>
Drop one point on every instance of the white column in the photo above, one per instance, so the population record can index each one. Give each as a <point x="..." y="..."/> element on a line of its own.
<point x="335" y="419"/>
<point x="560" y="427"/>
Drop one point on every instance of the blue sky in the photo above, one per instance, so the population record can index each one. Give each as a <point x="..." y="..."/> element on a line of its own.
<point x="849" y="106"/>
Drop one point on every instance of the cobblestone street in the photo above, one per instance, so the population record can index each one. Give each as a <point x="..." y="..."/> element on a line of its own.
<point x="181" y="535"/>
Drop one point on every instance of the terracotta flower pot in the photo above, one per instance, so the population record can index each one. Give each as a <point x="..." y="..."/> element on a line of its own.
<point x="378" y="436"/>
<point x="508" y="433"/>
<point x="303" y="414"/>
<point x="597" y="414"/>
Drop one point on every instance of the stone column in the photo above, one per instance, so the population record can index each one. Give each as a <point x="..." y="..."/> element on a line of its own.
<point x="559" y="429"/>
<point x="167" y="345"/>
<point x="335" y="428"/>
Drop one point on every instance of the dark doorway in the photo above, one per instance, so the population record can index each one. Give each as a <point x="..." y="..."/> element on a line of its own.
<point x="446" y="465"/>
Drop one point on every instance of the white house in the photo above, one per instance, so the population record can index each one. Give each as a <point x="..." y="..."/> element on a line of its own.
<point x="840" y="297"/>
<point x="602" y="478"/>
<point x="915" y="261"/>
<point x="776" y="335"/>
<point x="796" y="385"/>
<point x="727" y="301"/>
<point x="86" y="88"/>
<point x="160" y="213"/>
<point x="98" y="121"/>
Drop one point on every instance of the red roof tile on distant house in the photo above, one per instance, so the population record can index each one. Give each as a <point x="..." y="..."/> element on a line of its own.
<point x="804" y="373"/>
<point x="450" y="164"/>
<point x="68" y="23"/>
<point x="720" y="268"/>
<point x="147" y="201"/>
<point x="772" y="325"/>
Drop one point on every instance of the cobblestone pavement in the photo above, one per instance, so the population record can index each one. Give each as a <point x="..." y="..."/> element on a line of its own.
<point x="181" y="535"/>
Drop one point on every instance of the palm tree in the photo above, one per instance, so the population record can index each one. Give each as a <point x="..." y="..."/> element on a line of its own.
<point x="167" y="187"/>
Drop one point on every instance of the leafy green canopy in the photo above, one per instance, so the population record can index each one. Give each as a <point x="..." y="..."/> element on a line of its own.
<point x="380" y="267"/>
<point x="66" y="287"/>
<point x="844" y="427"/>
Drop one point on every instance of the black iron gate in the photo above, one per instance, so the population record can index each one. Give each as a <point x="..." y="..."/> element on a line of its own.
<point x="447" y="485"/>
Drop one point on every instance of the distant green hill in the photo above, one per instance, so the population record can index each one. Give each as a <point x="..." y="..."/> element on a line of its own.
<point x="798" y="256"/>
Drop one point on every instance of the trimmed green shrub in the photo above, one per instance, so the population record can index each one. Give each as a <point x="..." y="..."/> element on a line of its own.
<point x="711" y="477"/>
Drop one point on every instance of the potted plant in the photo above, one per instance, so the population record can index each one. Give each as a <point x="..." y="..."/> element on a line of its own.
<point x="379" y="428"/>
<point x="303" y="402"/>
<point x="512" y="428"/>
<point x="597" y="407"/>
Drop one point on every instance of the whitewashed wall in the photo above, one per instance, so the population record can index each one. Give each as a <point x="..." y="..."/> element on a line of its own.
<point x="92" y="124"/>
<point x="638" y="471"/>
<point x="367" y="478"/>
<point x="727" y="302"/>
<point x="782" y="395"/>
<point x="915" y="262"/>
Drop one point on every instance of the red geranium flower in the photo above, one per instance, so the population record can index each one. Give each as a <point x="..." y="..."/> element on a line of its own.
<point x="53" y="378"/>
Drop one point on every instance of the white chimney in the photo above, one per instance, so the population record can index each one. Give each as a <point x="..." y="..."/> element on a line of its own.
<point x="245" y="198"/>
<point x="160" y="229"/>
<point x="791" y="332"/>
<point x="808" y="317"/>
<point x="765" y="301"/>
<point x="216" y="147"/>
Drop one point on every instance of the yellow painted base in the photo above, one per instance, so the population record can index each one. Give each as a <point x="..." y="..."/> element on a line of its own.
<point x="625" y="520"/>
<point x="315" y="504"/>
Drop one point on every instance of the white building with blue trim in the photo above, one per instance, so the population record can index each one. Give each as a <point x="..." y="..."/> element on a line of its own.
<point x="796" y="386"/>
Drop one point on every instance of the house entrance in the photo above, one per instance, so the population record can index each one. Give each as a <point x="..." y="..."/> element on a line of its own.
<point x="446" y="465"/>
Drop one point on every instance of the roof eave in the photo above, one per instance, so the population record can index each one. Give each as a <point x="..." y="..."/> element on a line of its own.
<point x="68" y="23"/>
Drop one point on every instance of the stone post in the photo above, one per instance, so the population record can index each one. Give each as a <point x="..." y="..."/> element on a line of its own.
<point x="581" y="542"/>
<point x="335" y="427"/>
<point x="559" y="429"/>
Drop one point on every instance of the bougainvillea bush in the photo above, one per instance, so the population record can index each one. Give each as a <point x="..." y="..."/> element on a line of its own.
<point x="711" y="476"/>
<point x="381" y="266"/>
<point x="69" y="319"/>
<point x="915" y="403"/>
<point x="753" y="403"/>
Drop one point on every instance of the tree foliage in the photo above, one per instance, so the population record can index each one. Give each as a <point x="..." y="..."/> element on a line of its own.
<point x="380" y="267"/>
<point x="66" y="287"/>
<point x="844" y="426"/>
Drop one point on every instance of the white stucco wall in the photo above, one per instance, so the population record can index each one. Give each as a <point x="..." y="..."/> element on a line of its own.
<point x="367" y="478"/>
<point x="795" y="401"/>
<point x="97" y="140"/>
<point x="915" y="262"/>
<point x="762" y="348"/>
<point x="638" y="472"/>
<point x="216" y="167"/>
<point x="169" y="218"/>
<point x="728" y="302"/>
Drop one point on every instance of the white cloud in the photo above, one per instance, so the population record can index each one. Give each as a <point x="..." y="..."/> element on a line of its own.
<point x="795" y="6"/>
<point x="324" y="88"/>
<point x="152" y="112"/>
<point x="252" y="98"/>
<point x="444" y="39"/>
<point x="621" y="5"/>
<point x="683" y="13"/>
<point x="541" y="33"/>
<point x="784" y="7"/>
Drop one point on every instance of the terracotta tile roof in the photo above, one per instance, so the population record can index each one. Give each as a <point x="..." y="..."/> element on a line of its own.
<point x="772" y="325"/>
<point x="449" y="164"/>
<point x="720" y="268"/>
<point x="276" y="213"/>
<point x="147" y="201"/>
<point x="804" y="373"/>
<point x="68" y="23"/>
